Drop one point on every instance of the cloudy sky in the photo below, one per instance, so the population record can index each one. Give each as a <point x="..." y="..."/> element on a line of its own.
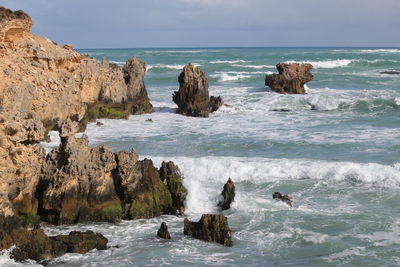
<point x="213" y="23"/>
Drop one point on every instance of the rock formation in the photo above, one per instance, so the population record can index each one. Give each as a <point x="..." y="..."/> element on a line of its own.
<point x="20" y="164"/>
<point x="142" y="192"/>
<point x="134" y="71"/>
<point x="58" y="83"/>
<point x="228" y="194"/>
<point x="77" y="183"/>
<point x="36" y="245"/>
<point x="291" y="78"/>
<point x="163" y="231"/>
<point x="192" y="97"/>
<point x="82" y="242"/>
<point x="211" y="228"/>
<point x="284" y="198"/>
<point x="171" y="175"/>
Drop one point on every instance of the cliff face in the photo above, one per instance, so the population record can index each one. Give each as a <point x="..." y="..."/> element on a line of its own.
<point x="58" y="83"/>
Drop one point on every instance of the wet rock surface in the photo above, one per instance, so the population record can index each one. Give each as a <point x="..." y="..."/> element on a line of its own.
<point x="291" y="78"/>
<point x="192" y="97"/>
<point x="82" y="242"/>
<point x="210" y="228"/>
<point x="284" y="198"/>
<point x="228" y="194"/>
<point x="163" y="231"/>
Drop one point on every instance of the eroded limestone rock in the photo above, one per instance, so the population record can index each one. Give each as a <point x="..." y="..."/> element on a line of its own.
<point x="291" y="78"/>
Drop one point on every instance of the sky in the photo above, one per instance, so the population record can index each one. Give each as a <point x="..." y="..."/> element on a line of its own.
<point x="214" y="23"/>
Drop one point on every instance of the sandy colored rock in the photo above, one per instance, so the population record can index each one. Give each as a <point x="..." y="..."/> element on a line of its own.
<point x="21" y="160"/>
<point x="57" y="82"/>
<point x="291" y="78"/>
<point x="76" y="184"/>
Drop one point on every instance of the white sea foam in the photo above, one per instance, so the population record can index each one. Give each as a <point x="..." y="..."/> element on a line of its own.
<point x="119" y="63"/>
<point x="224" y="77"/>
<point x="215" y="171"/>
<point x="228" y="61"/>
<point x="169" y="66"/>
<point x="327" y="64"/>
<point x="255" y="66"/>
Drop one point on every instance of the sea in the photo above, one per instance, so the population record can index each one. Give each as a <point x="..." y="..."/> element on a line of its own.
<point x="335" y="151"/>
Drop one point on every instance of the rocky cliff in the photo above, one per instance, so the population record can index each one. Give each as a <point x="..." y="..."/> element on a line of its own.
<point x="58" y="83"/>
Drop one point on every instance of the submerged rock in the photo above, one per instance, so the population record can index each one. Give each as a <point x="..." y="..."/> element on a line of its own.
<point x="192" y="97"/>
<point x="228" y="194"/>
<point x="391" y="72"/>
<point x="163" y="231"/>
<point x="211" y="228"/>
<point x="291" y="78"/>
<point x="285" y="198"/>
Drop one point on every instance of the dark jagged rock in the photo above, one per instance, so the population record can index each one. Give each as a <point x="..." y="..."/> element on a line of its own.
<point x="279" y="197"/>
<point x="228" y="193"/>
<point x="76" y="184"/>
<point x="192" y="97"/>
<point x="391" y="72"/>
<point x="134" y="71"/>
<point x="144" y="194"/>
<point x="36" y="245"/>
<point x="211" y="228"/>
<point x="216" y="103"/>
<point x="291" y="78"/>
<point x="163" y="231"/>
<point x="82" y="242"/>
<point x="171" y="175"/>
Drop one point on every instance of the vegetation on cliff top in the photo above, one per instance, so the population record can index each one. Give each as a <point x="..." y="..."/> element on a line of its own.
<point x="6" y="13"/>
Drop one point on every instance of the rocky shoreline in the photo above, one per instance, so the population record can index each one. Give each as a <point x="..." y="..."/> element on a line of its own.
<point x="44" y="86"/>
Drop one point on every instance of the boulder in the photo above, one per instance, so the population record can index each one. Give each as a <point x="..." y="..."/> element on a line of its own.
<point x="163" y="231"/>
<point x="291" y="78"/>
<point x="284" y="198"/>
<point x="36" y="245"/>
<point x="211" y="228"/>
<point x="228" y="194"/>
<point x="192" y="97"/>
<point x="76" y="184"/>
<point x="82" y="242"/>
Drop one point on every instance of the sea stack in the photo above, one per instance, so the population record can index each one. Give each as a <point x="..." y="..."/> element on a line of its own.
<point x="228" y="193"/>
<point x="291" y="78"/>
<point x="192" y="97"/>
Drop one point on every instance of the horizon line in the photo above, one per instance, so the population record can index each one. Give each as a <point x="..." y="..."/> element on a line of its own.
<point x="233" y="47"/>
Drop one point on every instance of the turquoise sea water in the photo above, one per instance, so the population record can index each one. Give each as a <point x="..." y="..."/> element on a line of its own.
<point x="335" y="151"/>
